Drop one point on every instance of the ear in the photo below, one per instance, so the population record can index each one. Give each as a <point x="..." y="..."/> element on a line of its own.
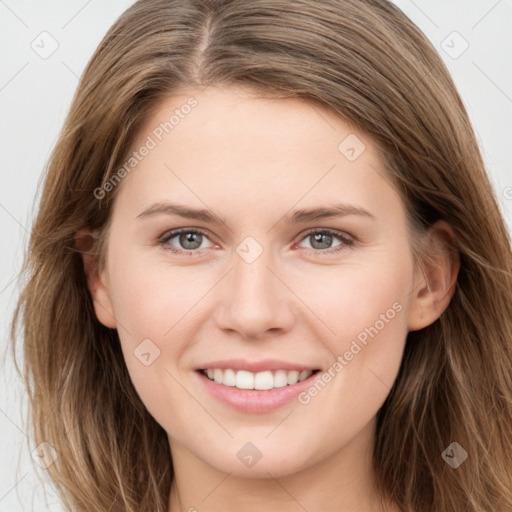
<point x="435" y="277"/>
<point x="97" y="282"/>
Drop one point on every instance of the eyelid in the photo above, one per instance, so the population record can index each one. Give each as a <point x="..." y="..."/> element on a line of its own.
<point x="172" y="233"/>
<point x="346" y="239"/>
<point x="347" y="242"/>
<point x="336" y="232"/>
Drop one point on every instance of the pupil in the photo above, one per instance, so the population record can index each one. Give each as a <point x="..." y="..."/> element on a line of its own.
<point x="187" y="238"/>
<point x="322" y="237"/>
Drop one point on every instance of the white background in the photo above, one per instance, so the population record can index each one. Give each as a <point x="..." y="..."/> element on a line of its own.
<point x="35" y="94"/>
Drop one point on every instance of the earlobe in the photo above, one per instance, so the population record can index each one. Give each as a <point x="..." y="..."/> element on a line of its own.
<point x="435" y="278"/>
<point x="101" y="300"/>
<point x="97" y="282"/>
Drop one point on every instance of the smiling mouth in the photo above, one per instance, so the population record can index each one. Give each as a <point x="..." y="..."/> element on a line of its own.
<point x="260" y="381"/>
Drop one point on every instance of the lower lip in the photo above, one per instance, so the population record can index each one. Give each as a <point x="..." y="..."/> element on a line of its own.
<point x="254" y="401"/>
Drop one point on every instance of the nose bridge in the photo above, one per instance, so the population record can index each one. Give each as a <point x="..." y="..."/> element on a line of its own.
<point x="254" y="299"/>
<point x="252" y="280"/>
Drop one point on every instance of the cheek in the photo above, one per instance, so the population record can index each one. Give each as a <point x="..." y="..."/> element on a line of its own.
<point x="155" y="305"/>
<point x="369" y="310"/>
<point x="150" y="298"/>
<point x="362" y="300"/>
<point x="365" y="307"/>
<point x="149" y="307"/>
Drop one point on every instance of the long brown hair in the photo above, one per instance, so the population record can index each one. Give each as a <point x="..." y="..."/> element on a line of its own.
<point x="366" y="61"/>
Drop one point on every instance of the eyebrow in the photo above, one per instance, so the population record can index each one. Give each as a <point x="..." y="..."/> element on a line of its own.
<point x="297" y="217"/>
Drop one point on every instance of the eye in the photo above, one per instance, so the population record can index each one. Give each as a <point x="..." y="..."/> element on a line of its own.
<point x="189" y="239"/>
<point x="323" y="238"/>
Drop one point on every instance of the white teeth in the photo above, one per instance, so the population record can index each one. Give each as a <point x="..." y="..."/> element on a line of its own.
<point x="293" y="377"/>
<point x="263" y="380"/>
<point x="229" y="378"/>
<point x="304" y="375"/>
<point x="280" y="379"/>
<point x="243" y="379"/>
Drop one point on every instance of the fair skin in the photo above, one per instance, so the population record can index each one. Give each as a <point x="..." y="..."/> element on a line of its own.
<point x="252" y="162"/>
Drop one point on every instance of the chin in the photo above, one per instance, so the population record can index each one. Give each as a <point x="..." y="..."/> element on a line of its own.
<point x="248" y="461"/>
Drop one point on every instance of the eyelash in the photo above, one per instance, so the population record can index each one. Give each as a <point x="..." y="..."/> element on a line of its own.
<point x="347" y="241"/>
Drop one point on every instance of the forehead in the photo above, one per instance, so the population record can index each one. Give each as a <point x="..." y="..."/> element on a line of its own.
<point x="239" y="148"/>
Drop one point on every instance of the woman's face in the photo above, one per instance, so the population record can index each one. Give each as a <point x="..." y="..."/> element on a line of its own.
<point x="264" y="283"/>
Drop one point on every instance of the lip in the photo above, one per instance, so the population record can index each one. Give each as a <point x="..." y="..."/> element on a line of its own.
<point x="252" y="400"/>
<point x="255" y="366"/>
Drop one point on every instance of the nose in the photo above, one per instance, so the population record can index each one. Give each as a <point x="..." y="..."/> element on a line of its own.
<point x="254" y="301"/>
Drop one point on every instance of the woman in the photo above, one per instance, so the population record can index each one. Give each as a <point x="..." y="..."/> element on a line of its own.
<point x="250" y="371"/>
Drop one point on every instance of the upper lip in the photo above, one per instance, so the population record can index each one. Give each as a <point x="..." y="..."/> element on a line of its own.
<point x="256" y="366"/>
